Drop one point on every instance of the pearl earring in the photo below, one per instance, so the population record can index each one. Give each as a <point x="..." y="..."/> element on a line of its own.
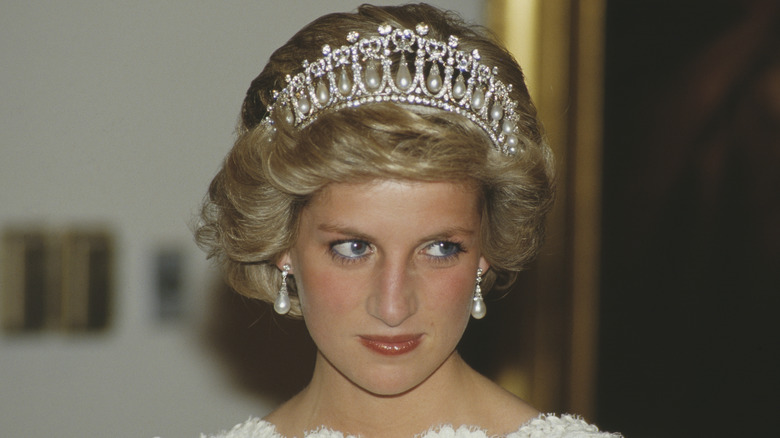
<point x="478" y="309"/>
<point x="282" y="303"/>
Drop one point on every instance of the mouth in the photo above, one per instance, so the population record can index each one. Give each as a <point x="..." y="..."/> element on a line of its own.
<point x="391" y="345"/>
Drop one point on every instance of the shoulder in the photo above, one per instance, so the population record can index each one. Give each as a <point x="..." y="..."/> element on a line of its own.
<point x="564" y="426"/>
<point x="252" y="428"/>
<point x="543" y="426"/>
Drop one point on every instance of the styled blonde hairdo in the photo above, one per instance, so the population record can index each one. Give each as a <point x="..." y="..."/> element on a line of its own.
<point x="250" y="218"/>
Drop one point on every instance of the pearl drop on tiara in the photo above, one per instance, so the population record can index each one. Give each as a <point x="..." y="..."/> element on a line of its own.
<point x="363" y="72"/>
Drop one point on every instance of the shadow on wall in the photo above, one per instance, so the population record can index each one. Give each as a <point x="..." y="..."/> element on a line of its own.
<point x="265" y="353"/>
<point x="692" y="207"/>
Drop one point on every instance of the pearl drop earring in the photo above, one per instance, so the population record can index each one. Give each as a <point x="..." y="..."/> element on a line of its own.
<point x="282" y="303"/>
<point x="478" y="309"/>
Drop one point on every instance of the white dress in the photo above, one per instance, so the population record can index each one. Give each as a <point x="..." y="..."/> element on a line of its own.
<point x="543" y="426"/>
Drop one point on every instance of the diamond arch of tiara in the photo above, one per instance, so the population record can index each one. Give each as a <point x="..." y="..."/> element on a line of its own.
<point x="362" y="72"/>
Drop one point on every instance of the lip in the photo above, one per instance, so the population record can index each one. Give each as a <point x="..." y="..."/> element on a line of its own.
<point x="391" y="345"/>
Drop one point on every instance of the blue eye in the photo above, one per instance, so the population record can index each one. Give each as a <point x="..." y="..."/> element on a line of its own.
<point x="351" y="249"/>
<point x="443" y="249"/>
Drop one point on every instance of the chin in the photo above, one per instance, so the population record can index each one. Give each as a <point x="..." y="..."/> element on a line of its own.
<point x="388" y="391"/>
<point x="388" y="385"/>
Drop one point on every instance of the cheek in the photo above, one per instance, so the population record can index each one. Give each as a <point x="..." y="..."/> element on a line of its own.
<point x="324" y="293"/>
<point x="453" y="292"/>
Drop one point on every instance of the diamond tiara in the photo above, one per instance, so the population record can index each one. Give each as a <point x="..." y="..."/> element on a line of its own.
<point x="361" y="73"/>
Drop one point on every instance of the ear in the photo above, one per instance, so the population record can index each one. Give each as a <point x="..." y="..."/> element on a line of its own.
<point x="285" y="259"/>
<point x="483" y="264"/>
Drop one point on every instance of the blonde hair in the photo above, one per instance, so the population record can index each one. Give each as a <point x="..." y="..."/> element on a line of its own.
<point x="250" y="218"/>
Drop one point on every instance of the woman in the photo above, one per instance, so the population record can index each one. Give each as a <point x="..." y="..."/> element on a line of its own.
<point x="389" y="168"/>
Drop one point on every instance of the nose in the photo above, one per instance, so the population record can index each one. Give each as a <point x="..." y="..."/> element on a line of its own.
<point x="393" y="299"/>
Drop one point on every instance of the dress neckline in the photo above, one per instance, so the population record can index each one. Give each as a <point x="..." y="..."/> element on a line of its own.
<point x="542" y="425"/>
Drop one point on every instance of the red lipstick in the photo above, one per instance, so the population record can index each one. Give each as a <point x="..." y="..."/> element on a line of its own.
<point x="391" y="345"/>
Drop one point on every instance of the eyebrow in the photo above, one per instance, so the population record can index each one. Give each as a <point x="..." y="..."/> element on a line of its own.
<point x="349" y="231"/>
<point x="343" y="229"/>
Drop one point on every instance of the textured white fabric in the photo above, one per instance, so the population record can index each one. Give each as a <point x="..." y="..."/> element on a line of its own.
<point x="543" y="426"/>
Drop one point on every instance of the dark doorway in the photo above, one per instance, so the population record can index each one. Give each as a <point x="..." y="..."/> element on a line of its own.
<point x="691" y="251"/>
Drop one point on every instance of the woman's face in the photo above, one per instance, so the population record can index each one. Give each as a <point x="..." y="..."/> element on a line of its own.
<point x="385" y="273"/>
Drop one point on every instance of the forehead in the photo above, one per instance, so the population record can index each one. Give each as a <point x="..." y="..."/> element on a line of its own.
<point x="384" y="201"/>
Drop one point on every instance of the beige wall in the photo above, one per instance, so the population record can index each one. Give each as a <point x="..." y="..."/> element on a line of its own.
<point x="119" y="113"/>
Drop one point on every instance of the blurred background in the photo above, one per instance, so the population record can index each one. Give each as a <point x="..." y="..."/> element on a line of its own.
<point x="651" y="312"/>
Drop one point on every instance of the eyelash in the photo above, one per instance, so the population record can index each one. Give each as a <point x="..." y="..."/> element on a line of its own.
<point x="337" y="257"/>
<point x="344" y="259"/>
<point x="457" y="248"/>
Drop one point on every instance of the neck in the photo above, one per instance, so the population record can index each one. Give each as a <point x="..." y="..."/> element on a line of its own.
<point x="334" y="401"/>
